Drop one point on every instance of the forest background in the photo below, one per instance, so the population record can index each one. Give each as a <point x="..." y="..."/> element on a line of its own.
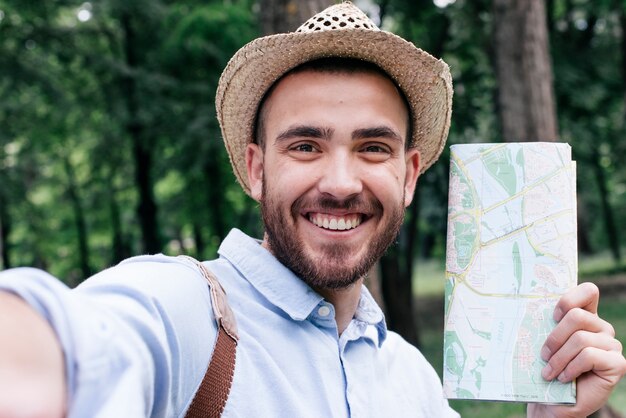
<point x="109" y="146"/>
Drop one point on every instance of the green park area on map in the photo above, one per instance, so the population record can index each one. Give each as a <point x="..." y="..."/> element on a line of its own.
<point x="511" y="253"/>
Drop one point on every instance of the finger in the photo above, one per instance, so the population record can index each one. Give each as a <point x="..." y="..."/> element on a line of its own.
<point x="576" y="319"/>
<point x="584" y="296"/>
<point x="609" y="365"/>
<point x="575" y="345"/>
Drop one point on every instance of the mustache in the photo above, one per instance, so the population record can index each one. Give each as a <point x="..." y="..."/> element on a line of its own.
<point x="357" y="203"/>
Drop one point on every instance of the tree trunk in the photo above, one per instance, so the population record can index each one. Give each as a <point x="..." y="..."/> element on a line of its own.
<point x="5" y="229"/>
<point x="79" y="220"/>
<point x="398" y="295"/>
<point x="550" y="19"/>
<point x="607" y="211"/>
<point x="622" y="21"/>
<point x="396" y="268"/>
<point x="410" y="229"/>
<point x="279" y="16"/>
<point x="582" y="227"/>
<point x="146" y="208"/>
<point x="525" y="98"/>
<point x="120" y="247"/>
<point x="214" y="191"/>
<point x="199" y="239"/>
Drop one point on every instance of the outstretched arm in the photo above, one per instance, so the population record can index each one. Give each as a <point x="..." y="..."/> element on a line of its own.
<point x="32" y="372"/>
<point x="583" y="347"/>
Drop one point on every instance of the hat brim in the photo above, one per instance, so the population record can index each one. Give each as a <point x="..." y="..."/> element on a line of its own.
<point x="424" y="80"/>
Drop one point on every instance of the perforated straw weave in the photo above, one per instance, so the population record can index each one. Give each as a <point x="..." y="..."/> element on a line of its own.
<point x="341" y="16"/>
<point x="341" y="30"/>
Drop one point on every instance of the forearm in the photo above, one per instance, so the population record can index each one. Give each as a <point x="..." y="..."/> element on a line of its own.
<point x="32" y="372"/>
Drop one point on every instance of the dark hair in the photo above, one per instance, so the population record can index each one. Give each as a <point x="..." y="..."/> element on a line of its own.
<point x="330" y="65"/>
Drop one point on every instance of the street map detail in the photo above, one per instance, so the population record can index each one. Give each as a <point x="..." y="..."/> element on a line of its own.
<point x="511" y="253"/>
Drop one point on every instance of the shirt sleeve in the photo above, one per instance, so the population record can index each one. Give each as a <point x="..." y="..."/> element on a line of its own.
<point x="137" y="338"/>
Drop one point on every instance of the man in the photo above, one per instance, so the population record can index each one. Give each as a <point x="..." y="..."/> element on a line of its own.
<point x="328" y="129"/>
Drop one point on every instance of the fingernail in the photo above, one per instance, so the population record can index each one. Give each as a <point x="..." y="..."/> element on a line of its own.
<point x="546" y="373"/>
<point x="545" y="353"/>
<point x="558" y="314"/>
<point x="562" y="378"/>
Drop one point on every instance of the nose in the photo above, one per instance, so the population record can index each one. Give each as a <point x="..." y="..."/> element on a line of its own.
<point x="341" y="176"/>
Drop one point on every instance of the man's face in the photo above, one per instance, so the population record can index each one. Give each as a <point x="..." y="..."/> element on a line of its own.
<point x="333" y="178"/>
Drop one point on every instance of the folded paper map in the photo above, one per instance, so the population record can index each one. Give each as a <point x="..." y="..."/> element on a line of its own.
<point x="511" y="253"/>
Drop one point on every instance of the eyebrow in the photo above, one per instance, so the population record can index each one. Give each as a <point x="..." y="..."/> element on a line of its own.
<point x="377" y="132"/>
<point x="305" y="131"/>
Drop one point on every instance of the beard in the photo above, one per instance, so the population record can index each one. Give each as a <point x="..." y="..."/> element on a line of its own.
<point x="328" y="269"/>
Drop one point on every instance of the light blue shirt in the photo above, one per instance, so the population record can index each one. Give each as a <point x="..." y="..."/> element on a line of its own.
<point x="137" y="339"/>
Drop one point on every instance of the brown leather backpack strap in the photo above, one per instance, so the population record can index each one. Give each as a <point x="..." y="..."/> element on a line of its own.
<point x="211" y="397"/>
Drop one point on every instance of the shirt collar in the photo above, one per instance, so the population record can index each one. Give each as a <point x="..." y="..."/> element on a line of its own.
<point x="274" y="281"/>
<point x="369" y="312"/>
<point x="282" y="287"/>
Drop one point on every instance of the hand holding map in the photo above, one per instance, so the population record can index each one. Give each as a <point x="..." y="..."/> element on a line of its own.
<point x="581" y="347"/>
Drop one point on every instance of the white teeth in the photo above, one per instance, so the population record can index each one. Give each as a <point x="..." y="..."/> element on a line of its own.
<point x="335" y="224"/>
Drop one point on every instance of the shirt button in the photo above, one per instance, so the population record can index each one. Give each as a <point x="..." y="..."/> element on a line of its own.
<point x="323" y="310"/>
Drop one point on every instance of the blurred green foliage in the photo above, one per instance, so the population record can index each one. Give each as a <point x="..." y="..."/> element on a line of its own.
<point x="84" y="87"/>
<point x="79" y="80"/>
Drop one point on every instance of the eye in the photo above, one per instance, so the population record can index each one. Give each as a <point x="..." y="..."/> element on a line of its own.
<point x="376" y="152"/>
<point x="304" y="151"/>
<point x="303" y="147"/>
<point x="376" y="148"/>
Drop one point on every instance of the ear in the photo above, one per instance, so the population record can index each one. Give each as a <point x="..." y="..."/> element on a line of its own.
<point x="254" y="167"/>
<point x="412" y="173"/>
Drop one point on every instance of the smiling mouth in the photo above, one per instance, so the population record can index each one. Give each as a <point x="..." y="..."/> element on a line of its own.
<point x="336" y="223"/>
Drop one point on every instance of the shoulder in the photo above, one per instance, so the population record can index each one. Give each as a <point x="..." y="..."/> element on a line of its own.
<point x="147" y="268"/>
<point x="171" y="280"/>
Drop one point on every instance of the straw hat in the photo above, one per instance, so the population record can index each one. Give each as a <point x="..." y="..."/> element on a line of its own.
<point x="341" y="30"/>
